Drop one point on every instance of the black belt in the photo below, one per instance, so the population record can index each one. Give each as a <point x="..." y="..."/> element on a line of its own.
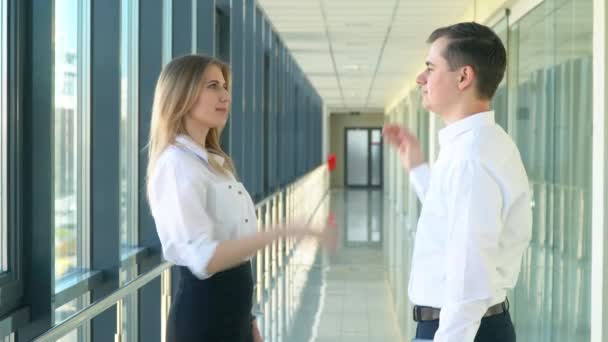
<point x="427" y="313"/>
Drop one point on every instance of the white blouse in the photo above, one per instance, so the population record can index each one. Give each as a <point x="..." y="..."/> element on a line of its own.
<point x="195" y="207"/>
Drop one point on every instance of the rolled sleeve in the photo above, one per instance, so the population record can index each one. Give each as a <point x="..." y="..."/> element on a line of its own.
<point x="474" y="226"/>
<point x="185" y="229"/>
<point x="194" y="254"/>
<point x="420" y="178"/>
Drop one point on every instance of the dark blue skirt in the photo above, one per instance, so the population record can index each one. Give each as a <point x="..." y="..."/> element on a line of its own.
<point x="216" y="309"/>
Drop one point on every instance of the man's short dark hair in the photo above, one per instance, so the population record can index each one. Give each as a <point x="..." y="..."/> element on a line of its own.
<point x="478" y="46"/>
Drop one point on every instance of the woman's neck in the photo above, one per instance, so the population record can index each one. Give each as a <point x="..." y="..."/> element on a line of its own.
<point x="197" y="132"/>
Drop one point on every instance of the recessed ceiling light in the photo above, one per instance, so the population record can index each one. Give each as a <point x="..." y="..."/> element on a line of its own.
<point x="353" y="67"/>
<point x="357" y="24"/>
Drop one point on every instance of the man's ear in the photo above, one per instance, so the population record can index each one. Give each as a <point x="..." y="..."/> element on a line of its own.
<point x="466" y="77"/>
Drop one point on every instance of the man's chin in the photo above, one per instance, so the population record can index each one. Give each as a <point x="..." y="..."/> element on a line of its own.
<point x="426" y="105"/>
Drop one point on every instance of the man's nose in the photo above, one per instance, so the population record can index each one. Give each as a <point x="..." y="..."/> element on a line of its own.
<point x="421" y="79"/>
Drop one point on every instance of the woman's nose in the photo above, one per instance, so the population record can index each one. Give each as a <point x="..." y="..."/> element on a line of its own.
<point x="225" y="97"/>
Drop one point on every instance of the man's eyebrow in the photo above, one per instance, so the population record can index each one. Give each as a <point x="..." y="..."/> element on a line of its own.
<point x="428" y="63"/>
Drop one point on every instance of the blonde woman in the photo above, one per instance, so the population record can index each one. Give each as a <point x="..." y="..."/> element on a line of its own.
<point x="204" y="217"/>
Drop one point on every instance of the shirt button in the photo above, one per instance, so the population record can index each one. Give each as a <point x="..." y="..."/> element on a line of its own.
<point x="240" y="193"/>
<point x="229" y="186"/>
<point x="246" y="220"/>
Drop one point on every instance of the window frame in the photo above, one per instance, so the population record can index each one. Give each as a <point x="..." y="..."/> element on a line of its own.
<point x="4" y="254"/>
<point x="12" y="288"/>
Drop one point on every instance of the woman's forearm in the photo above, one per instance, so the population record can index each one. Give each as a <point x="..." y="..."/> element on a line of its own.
<point x="230" y="253"/>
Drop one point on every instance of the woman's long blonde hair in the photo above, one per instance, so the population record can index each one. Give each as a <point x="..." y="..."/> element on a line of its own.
<point x="177" y="90"/>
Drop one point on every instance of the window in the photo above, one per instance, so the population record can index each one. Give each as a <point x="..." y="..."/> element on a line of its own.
<point x="222" y="35"/>
<point x="128" y="122"/>
<point x="71" y="137"/>
<point x="194" y="19"/>
<point x="129" y="114"/>
<point x="167" y="28"/>
<point x="66" y="311"/>
<point x="499" y="102"/>
<point x="3" y="137"/>
<point x="552" y="118"/>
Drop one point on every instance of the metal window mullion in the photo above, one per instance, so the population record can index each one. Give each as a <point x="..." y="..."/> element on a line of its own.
<point x="3" y="136"/>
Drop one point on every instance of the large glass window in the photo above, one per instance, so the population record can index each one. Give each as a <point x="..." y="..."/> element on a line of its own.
<point x="129" y="114"/>
<point x="70" y="150"/>
<point x="3" y="137"/>
<point x="66" y="311"/>
<point x="71" y="137"/>
<point x="499" y="102"/>
<point x="128" y="122"/>
<point x="552" y="115"/>
<point x="167" y="51"/>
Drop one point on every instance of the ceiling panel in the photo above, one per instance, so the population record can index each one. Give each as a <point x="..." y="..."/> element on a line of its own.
<point x="360" y="53"/>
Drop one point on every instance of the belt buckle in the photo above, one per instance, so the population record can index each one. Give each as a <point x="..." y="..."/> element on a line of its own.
<point x="415" y="313"/>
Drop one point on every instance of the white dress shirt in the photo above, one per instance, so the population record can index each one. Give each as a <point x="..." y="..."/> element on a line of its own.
<point x="195" y="207"/>
<point x="474" y="226"/>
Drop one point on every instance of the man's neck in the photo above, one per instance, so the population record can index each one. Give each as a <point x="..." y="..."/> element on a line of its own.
<point x="463" y="111"/>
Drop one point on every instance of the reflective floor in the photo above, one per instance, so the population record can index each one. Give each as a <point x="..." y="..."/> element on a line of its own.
<point x="360" y="293"/>
<point x="342" y="297"/>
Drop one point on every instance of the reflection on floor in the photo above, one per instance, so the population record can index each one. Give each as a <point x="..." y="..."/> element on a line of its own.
<point x="342" y="297"/>
<point x="360" y="294"/>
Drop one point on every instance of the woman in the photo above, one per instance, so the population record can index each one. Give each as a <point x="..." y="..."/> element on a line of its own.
<point x="205" y="218"/>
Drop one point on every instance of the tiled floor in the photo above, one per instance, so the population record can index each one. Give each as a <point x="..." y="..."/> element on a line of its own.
<point x="348" y="296"/>
<point x="343" y="297"/>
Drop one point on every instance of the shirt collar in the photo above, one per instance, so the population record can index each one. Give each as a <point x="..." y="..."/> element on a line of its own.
<point x="188" y="143"/>
<point x="451" y="132"/>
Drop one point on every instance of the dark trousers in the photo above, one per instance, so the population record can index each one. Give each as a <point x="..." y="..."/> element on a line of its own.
<point x="216" y="309"/>
<point x="497" y="328"/>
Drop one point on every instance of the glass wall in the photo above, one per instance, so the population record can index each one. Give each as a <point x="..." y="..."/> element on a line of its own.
<point x="129" y="116"/>
<point x="71" y="138"/>
<point x="545" y="104"/>
<point x="552" y="115"/>
<point x="500" y="100"/>
<point x="64" y="312"/>
<point x="70" y="150"/>
<point x="167" y="39"/>
<point x="3" y="136"/>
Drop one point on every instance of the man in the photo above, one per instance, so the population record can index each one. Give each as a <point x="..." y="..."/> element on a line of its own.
<point x="476" y="221"/>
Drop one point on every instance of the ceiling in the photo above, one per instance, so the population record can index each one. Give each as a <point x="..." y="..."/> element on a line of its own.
<point x="360" y="54"/>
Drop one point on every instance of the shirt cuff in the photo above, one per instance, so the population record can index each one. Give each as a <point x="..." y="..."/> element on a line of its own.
<point x="419" y="178"/>
<point x="197" y="255"/>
